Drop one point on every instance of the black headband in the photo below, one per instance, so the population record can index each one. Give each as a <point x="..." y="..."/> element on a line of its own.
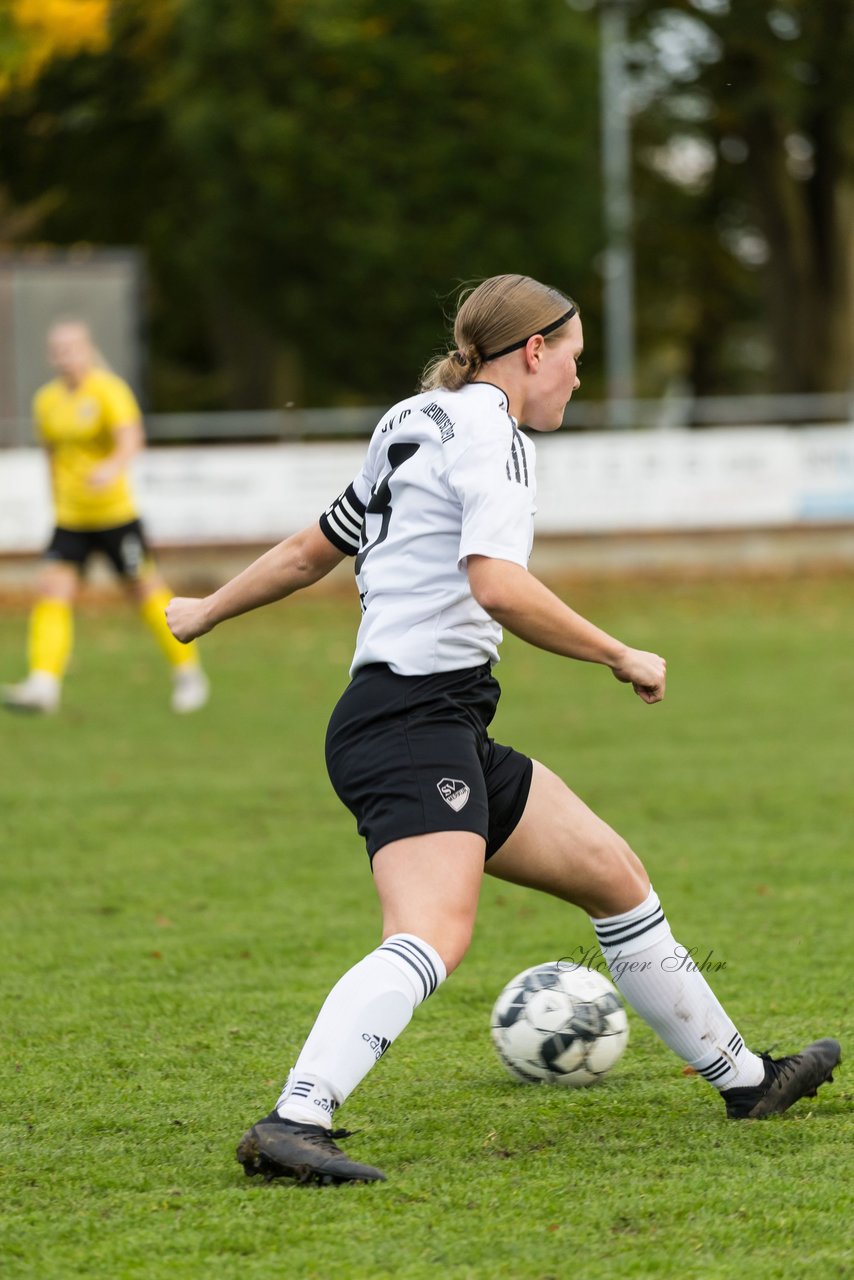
<point x="517" y="346"/>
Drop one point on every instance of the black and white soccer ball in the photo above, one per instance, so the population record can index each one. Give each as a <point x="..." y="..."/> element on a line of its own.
<point x="559" y="1023"/>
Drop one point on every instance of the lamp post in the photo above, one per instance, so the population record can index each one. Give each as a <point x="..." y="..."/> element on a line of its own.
<point x="618" y="285"/>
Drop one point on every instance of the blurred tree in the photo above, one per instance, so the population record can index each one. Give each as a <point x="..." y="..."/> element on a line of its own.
<point x="749" y="121"/>
<point x="19" y="224"/>
<point x="311" y="178"/>
<point x="350" y="160"/>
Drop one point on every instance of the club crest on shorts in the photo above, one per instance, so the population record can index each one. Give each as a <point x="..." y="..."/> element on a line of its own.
<point x="454" y="792"/>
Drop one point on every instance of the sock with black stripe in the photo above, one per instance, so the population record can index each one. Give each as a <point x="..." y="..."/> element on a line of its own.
<point x="364" y="1012"/>
<point x="662" y="983"/>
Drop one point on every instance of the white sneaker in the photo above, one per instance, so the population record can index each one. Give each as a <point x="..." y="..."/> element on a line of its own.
<point x="190" y="689"/>
<point x="39" y="693"/>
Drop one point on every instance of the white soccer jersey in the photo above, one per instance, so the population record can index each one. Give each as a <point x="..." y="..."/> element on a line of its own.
<point x="447" y="475"/>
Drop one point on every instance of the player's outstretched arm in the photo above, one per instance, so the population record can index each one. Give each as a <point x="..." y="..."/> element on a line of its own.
<point x="524" y="605"/>
<point x="300" y="560"/>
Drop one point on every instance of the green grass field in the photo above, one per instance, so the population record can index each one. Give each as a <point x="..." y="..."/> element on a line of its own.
<point x="178" y="896"/>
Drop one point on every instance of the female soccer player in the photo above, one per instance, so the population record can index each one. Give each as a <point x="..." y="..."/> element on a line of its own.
<point x="90" y="425"/>
<point x="440" y="521"/>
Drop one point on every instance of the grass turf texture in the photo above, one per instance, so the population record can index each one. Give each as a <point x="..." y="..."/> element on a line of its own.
<point x="179" y="894"/>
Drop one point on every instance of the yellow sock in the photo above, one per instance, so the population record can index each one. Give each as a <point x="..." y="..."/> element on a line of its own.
<point x="153" y="609"/>
<point x="50" y="637"/>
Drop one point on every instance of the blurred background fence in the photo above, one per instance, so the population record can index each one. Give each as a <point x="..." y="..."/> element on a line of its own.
<point x="673" y="481"/>
<point x="357" y="423"/>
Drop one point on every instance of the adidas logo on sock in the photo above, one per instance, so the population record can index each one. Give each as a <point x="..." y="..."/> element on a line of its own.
<point x="379" y="1044"/>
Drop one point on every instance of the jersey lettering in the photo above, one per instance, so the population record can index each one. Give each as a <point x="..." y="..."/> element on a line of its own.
<point x="442" y="419"/>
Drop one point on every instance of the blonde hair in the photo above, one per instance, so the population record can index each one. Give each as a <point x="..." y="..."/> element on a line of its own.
<point x="495" y="317"/>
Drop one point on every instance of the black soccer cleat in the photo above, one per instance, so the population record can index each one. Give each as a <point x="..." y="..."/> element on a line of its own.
<point x="786" y="1080"/>
<point x="277" y="1148"/>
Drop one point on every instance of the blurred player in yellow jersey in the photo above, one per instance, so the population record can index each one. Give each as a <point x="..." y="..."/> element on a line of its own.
<point x="90" y="425"/>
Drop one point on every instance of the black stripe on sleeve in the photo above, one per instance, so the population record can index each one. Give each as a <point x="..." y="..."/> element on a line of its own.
<point x="342" y="522"/>
<point x="517" y="436"/>
<point x="515" y="460"/>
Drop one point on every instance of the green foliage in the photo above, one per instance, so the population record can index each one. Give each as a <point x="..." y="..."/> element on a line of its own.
<point x="12" y="44"/>
<point x="352" y="160"/>
<point x="312" y="179"/>
<point x="179" y="894"/>
<point x="765" y="234"/>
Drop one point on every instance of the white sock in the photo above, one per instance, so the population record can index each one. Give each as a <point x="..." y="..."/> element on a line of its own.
<point x="364" y="1012"/>
<point x="663" y="983"/>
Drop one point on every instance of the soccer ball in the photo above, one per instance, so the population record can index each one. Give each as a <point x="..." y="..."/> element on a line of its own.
<point x="559" y="1023"/>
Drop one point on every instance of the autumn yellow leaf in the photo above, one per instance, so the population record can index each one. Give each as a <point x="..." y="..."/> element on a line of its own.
<point x="40" y="30"/>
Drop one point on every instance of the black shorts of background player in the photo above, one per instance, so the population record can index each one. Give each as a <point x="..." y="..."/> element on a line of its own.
<point x="440" y="519"/>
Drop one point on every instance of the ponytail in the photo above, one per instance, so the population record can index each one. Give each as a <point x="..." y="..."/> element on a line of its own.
<point x="494" y="319"/>
<point x="453" y="369"/>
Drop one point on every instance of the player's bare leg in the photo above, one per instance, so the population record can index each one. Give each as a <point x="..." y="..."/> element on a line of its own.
<point x="428" y="887"/>
<point x="561" y="847"/>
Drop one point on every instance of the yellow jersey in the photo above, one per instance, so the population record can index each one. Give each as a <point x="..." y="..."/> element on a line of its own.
<point x="79" y="427"/>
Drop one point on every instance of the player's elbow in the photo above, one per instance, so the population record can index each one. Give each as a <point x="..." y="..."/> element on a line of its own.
<point x="311" y="555"/>
<point x="302" y="560"/>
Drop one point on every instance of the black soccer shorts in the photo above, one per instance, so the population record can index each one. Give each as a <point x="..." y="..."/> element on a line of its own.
<point x="410" y="755"/>
<point x="124" y="546"/>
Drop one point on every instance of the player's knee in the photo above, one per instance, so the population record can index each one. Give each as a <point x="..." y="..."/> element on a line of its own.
<point x="620" y="881"/>
<point x="57" y="582"/>
<point x="450" y="936"/>
<point x="455" y="945"/>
